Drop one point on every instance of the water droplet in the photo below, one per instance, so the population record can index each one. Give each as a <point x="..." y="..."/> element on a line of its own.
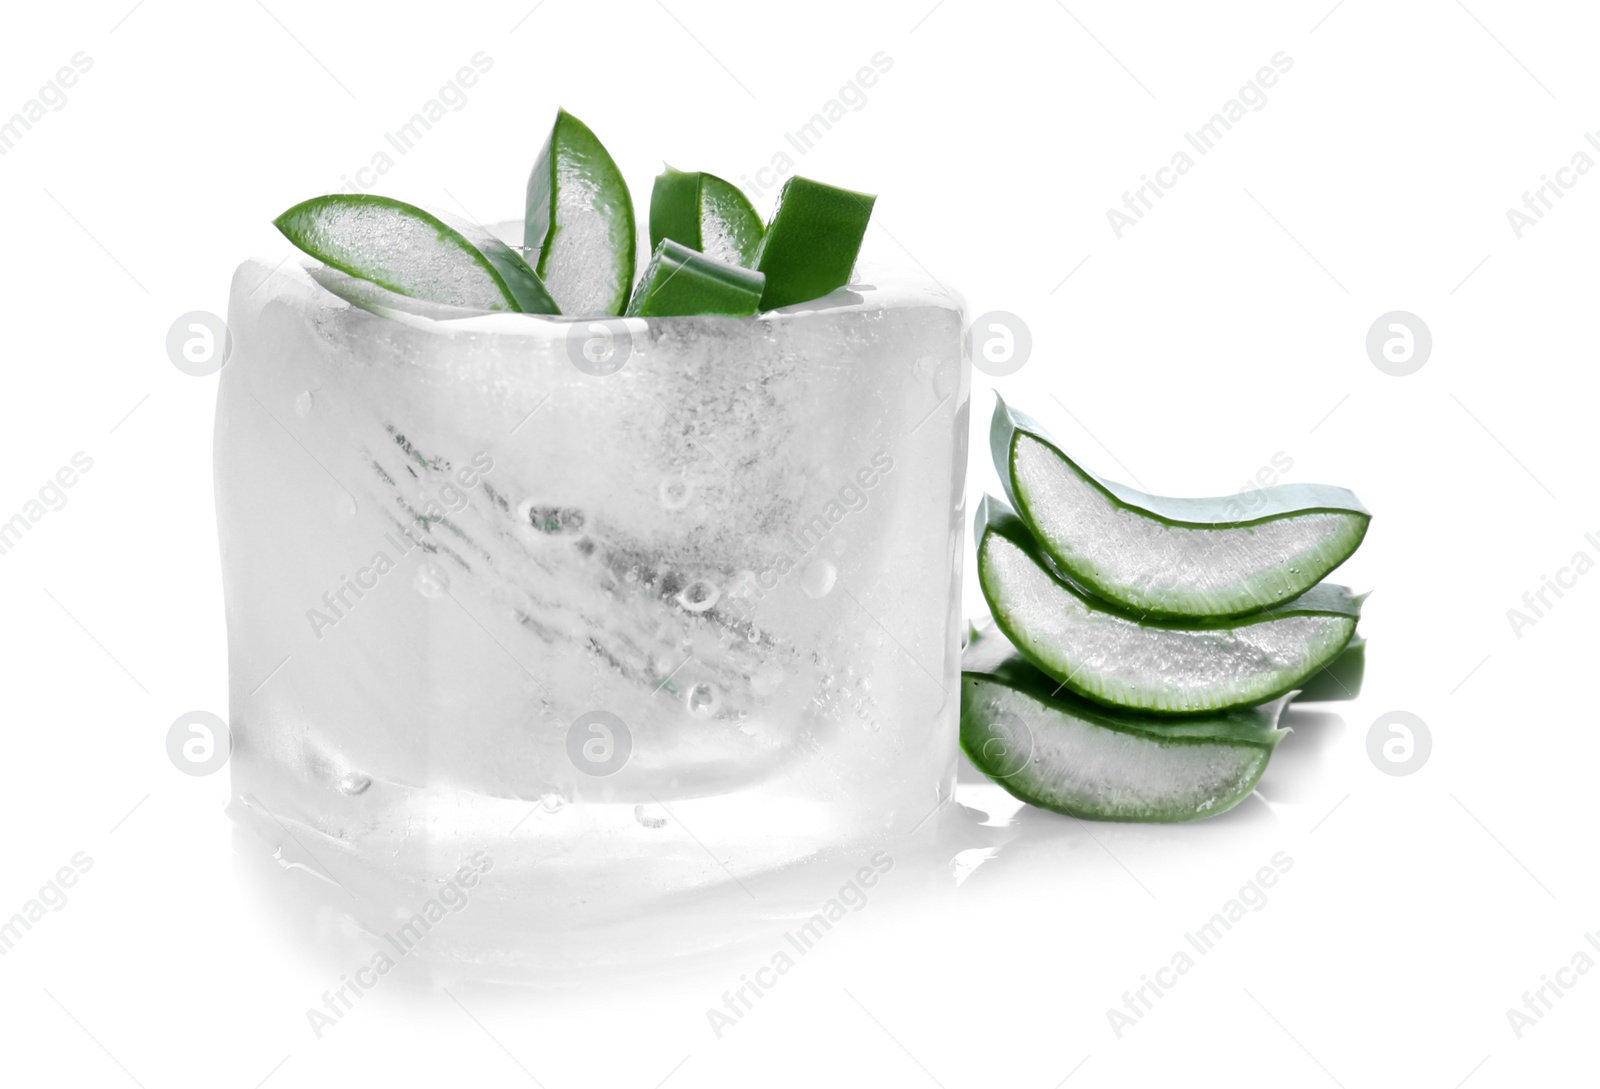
<point x="754" y="634"/>
<point x="552" y="801"/>
<point x="647" y="816"/>
<point x="302" y="403"/>
<point x="353" y="783"/>
<point x="703" y="699"/>
<point x="676" y="492"/>
<point x="632" y="575"/>
<point x="344" y="508"/>
<point x="699" y="596"/>
<point x="431" y="580"/>
<point x="818" y="577"/>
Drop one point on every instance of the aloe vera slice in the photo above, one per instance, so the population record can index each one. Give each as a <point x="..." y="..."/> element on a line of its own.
<point x="811" y="244"/>
<point x="1340" y="679"/>
<point x="705" y="213"/>
<point x="1051" y="749"/>
<point x="680" y="281"/>
<point x="1173" y="557"/>
<point x="580" y="221"/>
<point x="1158" y="667"/>
<point x="414" y="252"/>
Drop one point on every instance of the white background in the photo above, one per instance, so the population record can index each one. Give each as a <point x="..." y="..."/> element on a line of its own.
<point x="1226" y="327"/>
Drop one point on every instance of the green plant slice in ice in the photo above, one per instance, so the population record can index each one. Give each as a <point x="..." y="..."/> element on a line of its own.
<point x="680" y="281"/>
<point x="1054" y="750"/>
<point x="1227" y="556"/>
<point x="705" y="213"/>
<point x="579" y="229"/>
<point x="414" y="252"/>
<point x="1158" y="667"/>
<point x="810" y="246"/>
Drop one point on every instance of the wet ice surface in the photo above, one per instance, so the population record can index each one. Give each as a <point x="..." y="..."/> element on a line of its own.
<point x="743" y="545"/>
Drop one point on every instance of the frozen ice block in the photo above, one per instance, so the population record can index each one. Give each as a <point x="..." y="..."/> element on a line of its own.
<point x="635" y="607"/>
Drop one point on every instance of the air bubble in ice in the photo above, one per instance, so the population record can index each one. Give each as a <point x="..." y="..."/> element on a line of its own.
<point x="817" y="578"/>
<point x="353" y="783"/>
<point x="431" y="580"/>
<point x="302" y="403"/>
<point x="699" y="596"/>
<point x="754" y="634"/>
<point x="675" y="492"/>
<point x="702" y="699"/>
<point x="546" y="519"/>
<point x="552" y="801"/>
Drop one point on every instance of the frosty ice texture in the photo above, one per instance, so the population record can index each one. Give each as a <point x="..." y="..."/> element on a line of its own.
<point x="734" y="563"/>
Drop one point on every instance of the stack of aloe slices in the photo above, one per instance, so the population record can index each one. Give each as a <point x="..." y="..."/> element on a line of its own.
<point x="711" y="252"/>
<point x="1144" y="647"/>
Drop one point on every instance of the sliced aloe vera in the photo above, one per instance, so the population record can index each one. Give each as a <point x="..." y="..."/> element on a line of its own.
<point x="1160" y="667"/>
<point x="811" y="244"/>
<point x="580" y="221"/>
<point x="1054" y="750"/>
<point x="705" y="213"/>
<point x="1340" y="679"/>
<point x="414" y="252"/>
<point x="680" y="281"/>
<point x="1173" y="557"/>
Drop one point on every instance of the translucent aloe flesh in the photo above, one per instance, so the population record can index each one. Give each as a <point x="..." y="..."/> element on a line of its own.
<point x="1163" y="667"/>
<point x="1052" y="749"/>
<point x="1166" y="556"/>
<point x="1340" y="679"/>
<point x="414" y="252"/>
<point x="705" y="213"/>
<point x="580" y="221"/>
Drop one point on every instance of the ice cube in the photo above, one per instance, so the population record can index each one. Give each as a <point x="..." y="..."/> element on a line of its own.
<point x="705" y="564"/>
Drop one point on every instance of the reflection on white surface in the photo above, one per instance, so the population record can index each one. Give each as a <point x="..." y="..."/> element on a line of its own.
<point x="477" y="922"/>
